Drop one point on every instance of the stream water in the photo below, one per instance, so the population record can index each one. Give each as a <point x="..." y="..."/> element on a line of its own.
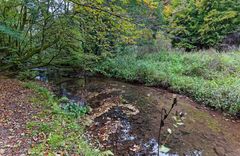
<point x="126" y="119"/>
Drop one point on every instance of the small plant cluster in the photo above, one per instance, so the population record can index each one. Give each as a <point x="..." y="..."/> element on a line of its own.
<point x="209" y="78"/>
<point x="27" y="74"/>
<point x="73" y="108"/>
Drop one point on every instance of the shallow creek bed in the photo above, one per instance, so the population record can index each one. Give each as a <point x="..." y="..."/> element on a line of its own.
<point x="125" y="118"/>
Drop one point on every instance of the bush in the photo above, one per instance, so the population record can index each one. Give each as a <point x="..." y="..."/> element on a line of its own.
<point x="72" y="108"/>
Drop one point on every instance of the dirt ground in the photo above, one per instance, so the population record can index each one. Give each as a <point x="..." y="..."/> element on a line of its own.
<point x="15" y="112"/>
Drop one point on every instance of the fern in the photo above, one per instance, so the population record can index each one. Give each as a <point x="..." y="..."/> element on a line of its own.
<point x="10" y="32"/>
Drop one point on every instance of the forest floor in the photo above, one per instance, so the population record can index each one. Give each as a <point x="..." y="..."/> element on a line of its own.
<point x="15" y="111"/>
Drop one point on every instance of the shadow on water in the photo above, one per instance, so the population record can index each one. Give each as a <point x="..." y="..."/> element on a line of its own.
<point x="126" y="118"/>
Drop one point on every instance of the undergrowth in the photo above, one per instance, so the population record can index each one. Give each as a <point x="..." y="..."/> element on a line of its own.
<point x="58" y="131"/>
<point x="210" y="78"/>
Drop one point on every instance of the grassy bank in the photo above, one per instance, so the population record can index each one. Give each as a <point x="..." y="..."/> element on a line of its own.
<point x="210" y="78"/>
<point x="56" y="131"/>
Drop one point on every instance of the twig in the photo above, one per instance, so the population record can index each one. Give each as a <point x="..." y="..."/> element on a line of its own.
<point x="164" y="116"/>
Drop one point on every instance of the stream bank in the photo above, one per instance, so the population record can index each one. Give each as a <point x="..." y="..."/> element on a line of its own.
<point x="125" y="119"/>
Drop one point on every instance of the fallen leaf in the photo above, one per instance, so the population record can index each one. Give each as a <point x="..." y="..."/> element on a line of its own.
<point x="164" y="149"/>
<point x="135" y="148"/>
<point x="169" y="131"/>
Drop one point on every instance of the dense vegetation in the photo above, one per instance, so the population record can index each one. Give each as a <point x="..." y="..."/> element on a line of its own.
<point x="202" y="24"/>
<point x="37" y="33"/>
<point x="66" y="33"/>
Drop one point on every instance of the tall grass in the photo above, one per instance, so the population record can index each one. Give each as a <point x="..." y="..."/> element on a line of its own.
<point x="210" y="78"/>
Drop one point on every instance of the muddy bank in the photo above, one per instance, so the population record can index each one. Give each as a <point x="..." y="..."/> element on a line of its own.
<point x="126" y="120"/>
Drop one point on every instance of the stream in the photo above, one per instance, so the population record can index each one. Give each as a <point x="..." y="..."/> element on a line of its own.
<point x="126" y="119"/>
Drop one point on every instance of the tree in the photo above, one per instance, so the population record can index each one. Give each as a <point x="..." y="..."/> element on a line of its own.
<point x="35" y="33"/>
<point x="201" y="24"/>
<point x="30" y="30"/>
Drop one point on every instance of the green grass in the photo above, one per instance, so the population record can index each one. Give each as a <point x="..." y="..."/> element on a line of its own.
<point x="210" y="78"/>
<point x="58" y="130"/>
